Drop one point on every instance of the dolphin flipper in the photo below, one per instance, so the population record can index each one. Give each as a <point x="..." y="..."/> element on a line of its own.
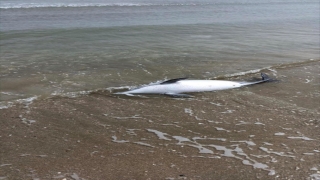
<point x="178" y="95"/>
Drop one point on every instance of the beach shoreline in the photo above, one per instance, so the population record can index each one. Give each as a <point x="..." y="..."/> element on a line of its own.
<point x="61" y="63"/>
<point x="267" y="131"/>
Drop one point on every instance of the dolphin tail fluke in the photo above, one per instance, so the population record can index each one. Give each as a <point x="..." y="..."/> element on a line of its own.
<point x="265" y="77"/>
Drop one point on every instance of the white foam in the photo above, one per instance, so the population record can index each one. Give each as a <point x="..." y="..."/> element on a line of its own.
<point x="2" y="165"/>
<point x="279" y="134"/>
<point x="228" y="111"/>
<point x="246" y="72"/>
<point x="315" y="176"/>
<point x="6" y="105"/>
<point x="255" y="164"/>
<point x="27" y="101"/>
<point x="131" y="132"/>
<point x="130" y="117"/>
<point x="111" y="89"/>
<point x="286" y="128"/>
<point x="217" y="104"/>
<point x="202" y="149"/>
<point x="259" y="123"/>
<point x="302" y="137"/>
<point x="249" y="143"/>
<point x="259" y="156"/>
<point x="181" y="139"/>
<point x="276" y="153"/>
<point x="11" y="94"/>
<point x="56" y="5"/>
<point x="246" y="161"/>
<point x="71" y="94"/>
<point x="23" y="155"/>
<point x="268" y="144"/>
<point x="188" y="111"/>
<point x="160" y="135"/>
<point x="75" y="5"/>
<point x="148" y="72"/>
<point x="171" y="125"/>
<point x="221" y="129"/>
<point x="26" y="121"/>
<point x="218" y="139"/>
<point x="227" y="152"/>
<point x="272" y="172"/>
<point x="242" y="122"/>
<point x="115" y="139"/>
<point x="234" y="152"/>
<point x="144" y="144"/>
<point x="75" y="176"/>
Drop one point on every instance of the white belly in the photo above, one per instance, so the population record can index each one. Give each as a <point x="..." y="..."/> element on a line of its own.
<point x="185" y="86"/>
<point x="204" y="85"/>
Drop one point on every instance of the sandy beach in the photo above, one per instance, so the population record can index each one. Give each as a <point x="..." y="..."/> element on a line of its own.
<point x="267" y="131"/>
<point x="61" y="63"/>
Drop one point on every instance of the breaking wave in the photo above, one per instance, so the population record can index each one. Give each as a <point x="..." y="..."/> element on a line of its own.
<point x="268" y="68"/>
<point x="75" y="5"/>
<point x="110" y="90"/>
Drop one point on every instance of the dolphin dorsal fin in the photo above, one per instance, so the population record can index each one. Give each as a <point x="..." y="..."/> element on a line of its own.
<point x="173" y="80"/>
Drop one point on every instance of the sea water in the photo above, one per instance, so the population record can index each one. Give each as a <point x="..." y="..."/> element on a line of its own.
<point x="50" y="48"/>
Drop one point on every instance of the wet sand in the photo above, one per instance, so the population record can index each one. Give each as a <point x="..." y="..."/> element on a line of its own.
<point x="266" y="131"/>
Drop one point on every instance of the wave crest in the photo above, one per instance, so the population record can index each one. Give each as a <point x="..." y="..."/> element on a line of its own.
<point x="61" y="5"/>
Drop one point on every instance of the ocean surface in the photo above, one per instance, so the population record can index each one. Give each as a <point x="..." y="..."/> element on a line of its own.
<point x="51" y="48"/>
<point x="62" y="61"/>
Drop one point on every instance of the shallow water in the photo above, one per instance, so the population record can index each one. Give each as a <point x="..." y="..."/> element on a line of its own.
<point x="52" y="48"/>
<point x="61" y="63"/>
<point x="264" y="131"/>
